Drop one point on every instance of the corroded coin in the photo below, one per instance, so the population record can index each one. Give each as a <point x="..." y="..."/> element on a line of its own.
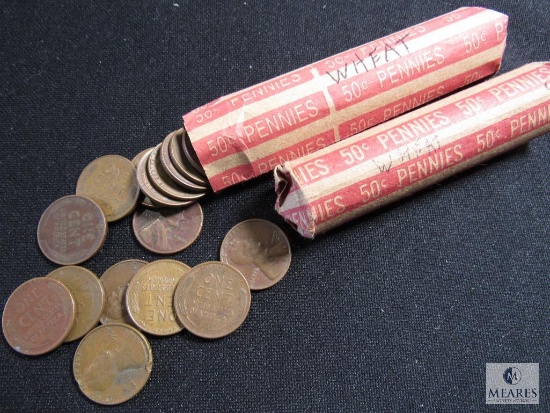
<point x="115" y="280"/>
<point x="167" y="231"/>
<point x="212" y="300"/>
<point x="38" y="316"/>
<point x="190" y="153"/>
<point x="165" y="184"/>
<point x="112" y="363"/>
<point x="88" y="295"/>
<point x="150" y="191"/>
<point x="149" y="297"/>
<point x="172" y="171"/>
<point x="111" y="182"/>
<point x="260" y="250"/>
<point x="71" y="230"/>
<point x="180" y="161"/>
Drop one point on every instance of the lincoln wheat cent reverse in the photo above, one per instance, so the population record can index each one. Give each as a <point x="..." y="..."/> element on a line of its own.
<point x="168" y="230"/>
<point x="88" y="294"/>
<point x="212" y="300"/>
<point x="259" y="250"/>
<point x="71" y="230"/>
<point x="111" y="182"/>
<point x="38" y="316"/>
<point x="115" y="281"/>
<point x="150" y="294"/>
<point x="112" y="363"/>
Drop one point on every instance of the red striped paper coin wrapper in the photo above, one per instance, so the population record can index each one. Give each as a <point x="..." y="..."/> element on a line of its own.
<point x="247" y="133"/>
<point x="390" y="161"/>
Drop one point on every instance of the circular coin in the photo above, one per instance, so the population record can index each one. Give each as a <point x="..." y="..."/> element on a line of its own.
<point x="180" y="161"/>
<point x="115" y="281"/>
<point x="139" y="156"/>
<point x="190" y="153"/>
<point x="260" y="250"/>
<point x="167" y="231"/>
<point x="112" y="363"/>
<point x="71" y="230"/>
<point x="150" y="191"/>
<point x="212" y="300"/>
<point x="111" y="182"/>
<point x="149" y="297"/>
<point x="38" y="316"/>
<point x="88" y="295"/>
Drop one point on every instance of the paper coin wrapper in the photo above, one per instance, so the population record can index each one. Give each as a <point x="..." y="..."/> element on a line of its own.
<point x="390" y="161"/>
<point x="247" y="133"/>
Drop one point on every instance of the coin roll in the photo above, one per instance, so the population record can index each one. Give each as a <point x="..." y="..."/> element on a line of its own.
<point x="330" y="187"/>
<point x="249" y="132"/>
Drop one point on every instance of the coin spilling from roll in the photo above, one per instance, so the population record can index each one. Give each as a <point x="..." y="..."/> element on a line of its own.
<point x="169" y="174"/>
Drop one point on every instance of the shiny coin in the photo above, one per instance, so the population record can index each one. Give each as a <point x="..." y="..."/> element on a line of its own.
<point x="164" y="183"/>
<point x="112" y="363"/>
<point x="212" y="300"/>
<point x="38" y="316"/>
<point x="71" y="230"/>
<point x="88" y="295"/>
<point x="111" y="182"/>
<point x="149" y="297"/>
<point x="259" y="250"/>
<point x="139" y="156"/>
<point x="115" y="280"/>
<point x="172" y="171"/>
<point x="180" y="161"/>
<point x="167" y="231"/>
<point x="151" y="192"/>
<point x="190" y="153"/>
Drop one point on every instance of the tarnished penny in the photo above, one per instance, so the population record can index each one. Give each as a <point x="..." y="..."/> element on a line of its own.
<point x="165" y="184"/>
<point x="212" y="300"/>
<point x="180" y="161"/>
<point x="150" y="191"/>
<point x="88" y="295"/>
<point x="167" y="231"/>
<point x="38" y="316"/>
<point x="112" y="363"/>
<point x="71" y="230"/>
<point x="115" y="281"/>
<point x="139" y="156"/>
<point x="149" y="297"/>
<point x="190" y="153"/>
<point x="172" y="171"/>
<point x="111" y="182"/>
<point x="260" y="250"/>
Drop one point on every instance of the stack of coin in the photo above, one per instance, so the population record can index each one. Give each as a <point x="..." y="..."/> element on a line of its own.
<point x="169" y="174"/>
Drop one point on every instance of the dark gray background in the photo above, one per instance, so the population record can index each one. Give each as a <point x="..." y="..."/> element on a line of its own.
<point x="398" y="311"/>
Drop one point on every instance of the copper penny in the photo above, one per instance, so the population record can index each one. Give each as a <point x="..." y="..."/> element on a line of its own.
<point x="165" y="184"/>
<point x="180" y="161"/>
<point x="212" y="300"/>
<point x="112" y="363"/>
<point x="190" y="153"/>
<point x="149" y="297"/>
<point x="172" y="171"/>
<point x="115" y="280"/>
<point x="150" y="191"/>
<point x="139" y="156"/>
<point x="38" y="316"/>
<point x="71" y="230"/>
<point x="88" y="295"/>
<point x="260" y="250"/>
<point x="111" y="182"/>
<point x="167" y="231"/>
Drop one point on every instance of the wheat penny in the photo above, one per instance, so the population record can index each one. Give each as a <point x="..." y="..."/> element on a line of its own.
<point x="38" y="316"/>
<point x="112" y="363"/>
<point x="212" y="300"/>
<point x="180" y="161"/>
<point x="150" y="294"/>
<point x="190" y="153"/>
<point x="88" y="294"/>
<point x="71" y="230"/>
<point x="115" y="280"/>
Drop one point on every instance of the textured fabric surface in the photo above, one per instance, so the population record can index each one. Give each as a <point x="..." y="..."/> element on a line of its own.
<point x="397" y="311"/>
